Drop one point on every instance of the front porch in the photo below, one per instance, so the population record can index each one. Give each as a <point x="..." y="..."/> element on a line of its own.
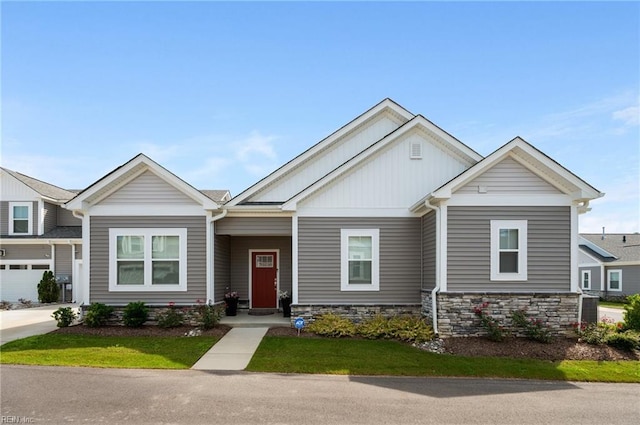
<point x="244" y="320"/>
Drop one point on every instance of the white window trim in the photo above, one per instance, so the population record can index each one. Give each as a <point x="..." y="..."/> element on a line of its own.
<point x="29" y="205"/>
<point x="584" y="273"/>
<point x="521" y="225"/>
<point x="375" y="260"/>
<point x="147" y="233"/>
<point x="609" y="272"/>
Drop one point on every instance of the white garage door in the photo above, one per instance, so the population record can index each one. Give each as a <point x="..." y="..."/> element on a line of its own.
<point x="20" y="281"/>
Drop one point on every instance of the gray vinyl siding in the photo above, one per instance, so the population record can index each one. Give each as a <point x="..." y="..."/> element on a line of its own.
<point x="509" y="177"/>
<point x="50" y="216"/>
<point x="429" y="251"/>
<point x="196" y="259"/>
<point x="4" y="217"/>
<point x="66" y="218"/>
<point x="595" y="278"/>
<point x="630" y="279"/>
<point x="26" y="252"/>
<point x="222" y="269"/>
<point x="63" y="260"/>
<point x="240" y="247"/>
<point x="548" y="251"/>
<point x="148" y="189"/>
<point x="254" y="226"/>
<point x="319" y="260"/>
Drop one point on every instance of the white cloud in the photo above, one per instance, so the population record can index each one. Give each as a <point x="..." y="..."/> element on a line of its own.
<point x="256" y="153"/>
<point x="629" y="116"/>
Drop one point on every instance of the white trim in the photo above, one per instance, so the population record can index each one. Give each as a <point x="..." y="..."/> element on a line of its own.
<point x="40" y="216"/>
<point x="27" y="262"/>
<point x="86" y="259"/>
<point x="148" y="233"/>
<point x="294" y="259"/>
<point x="480" y="199"/>
<point x="443" y="246"/>
<point x="374" y="234"/>
<point x="521" y="226"/>
<point x="574" y="249"/>
<point x="355" y="212"/>
<point x="29" y="206"/>
<point x="251" y="251"/>
<point x="609" y="272"/>
<point x="76" y="288"/>
<point x="584" y="273"/>
<point x="602" y="280"/>
<point x="585" y="265"/>
<point x="38" y="241"/>
<point x="209" y="247"/>
<point x="147" y="210"/>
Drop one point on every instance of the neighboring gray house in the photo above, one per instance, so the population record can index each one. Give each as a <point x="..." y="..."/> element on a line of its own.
<point x="610" y="264"/>
<point x="389" y="214"/>
<point x="36" y="234"/>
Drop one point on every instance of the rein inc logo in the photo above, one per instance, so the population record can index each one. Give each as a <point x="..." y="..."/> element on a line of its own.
<point x="16" y="420"/>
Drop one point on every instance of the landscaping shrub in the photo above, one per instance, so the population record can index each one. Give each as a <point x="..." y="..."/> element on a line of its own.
<point x="631" y="313"/>
<point x="332" y="325"/>
<point x="48" y="291"/>
<point x="594" y="333"/>
<point x="172" y="318"/>
<point x="208" y="315"/>
<point x="97" y="314"/>
<point x="135" y="314"/>
<point x="64" y="316"/>
<point x="534" y="329"/>
<point x="374" y="328"/>
<point x="410" y="329"/>
<point x="495" y="332"/>
<point x="627" y="340"/>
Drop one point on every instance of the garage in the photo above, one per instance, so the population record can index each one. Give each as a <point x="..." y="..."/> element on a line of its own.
<point x="20" y="281"/>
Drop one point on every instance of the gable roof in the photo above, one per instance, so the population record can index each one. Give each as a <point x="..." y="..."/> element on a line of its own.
<point x="529" y="157"/>
<point x="386" y="105"/>
<point x="612" y="248"/>
<point x="47" y="190"/>
<point x="220" y="196"/>
<point x="129" y="171"/>
<point x="444" y="140"/>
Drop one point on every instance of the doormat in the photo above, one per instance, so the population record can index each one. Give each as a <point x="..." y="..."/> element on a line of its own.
<point x="260" y="313"/>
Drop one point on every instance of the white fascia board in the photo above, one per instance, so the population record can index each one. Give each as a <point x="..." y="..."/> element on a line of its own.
<point x="621" y="263"/>
<point x="454" y="143"/>
<point x="356" y="212"/>
<point x="323" y="144"/>
<point x="509" y="200"/>
<point x="595" y="247"/>
<point x="34" y="241"/>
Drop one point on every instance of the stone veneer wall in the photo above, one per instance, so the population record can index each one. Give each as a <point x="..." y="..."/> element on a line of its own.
<point x="190" y="314"/>
<point x="457" y="319"/>
<point x="355" y="312"/>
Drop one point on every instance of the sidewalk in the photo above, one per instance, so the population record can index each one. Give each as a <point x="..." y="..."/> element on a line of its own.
<point x="233" y="351"/>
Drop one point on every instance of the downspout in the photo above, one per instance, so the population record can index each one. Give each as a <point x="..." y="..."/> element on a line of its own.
<point x="211" y="243"/>
<point x="434" y="303"/>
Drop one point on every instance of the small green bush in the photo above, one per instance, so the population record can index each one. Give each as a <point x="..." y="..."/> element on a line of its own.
<point x="97" y="315"/>
<point x="632" y="313"/>
<point x="135" y="314"/>
<point x="48" y="290"/>
<point x="332" y="325"/>
<point x="534" y="329"/>
<point x="64" y="316"/>
<point x="410" y="329"/>
<point x="374" y="328"/>
<point x="495" y="331"/>
<point x="208" y="315"/>
<point x="172" y="318"/>
<point x="627" y="340"/>
<point x="595" y="333"/>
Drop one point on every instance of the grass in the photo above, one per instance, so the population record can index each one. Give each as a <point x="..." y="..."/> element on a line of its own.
<point x="366" y="357"/>
<point x="612" y="304"/>
<point x="106" y="351"/>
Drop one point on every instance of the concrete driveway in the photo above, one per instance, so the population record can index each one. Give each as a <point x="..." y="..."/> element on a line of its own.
<point x="612" y="313"/>
<point x="16" y="324"/>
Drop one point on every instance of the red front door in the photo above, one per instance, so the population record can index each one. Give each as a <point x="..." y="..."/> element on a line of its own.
<point x="264" y="279"/>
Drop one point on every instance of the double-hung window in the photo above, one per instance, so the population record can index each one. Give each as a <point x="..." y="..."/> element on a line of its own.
<point x="360" y="265"/>
<point x="20" y="217"/>
<point x="148" y="259"/>
<point x="508" y="249"/>
<point x="614" y="280"/>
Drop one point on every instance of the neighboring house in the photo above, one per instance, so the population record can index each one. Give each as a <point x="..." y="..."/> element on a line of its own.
<point x="36" y="234"/>
<point x="610" y="264"/>
<point x="390" y="214"/>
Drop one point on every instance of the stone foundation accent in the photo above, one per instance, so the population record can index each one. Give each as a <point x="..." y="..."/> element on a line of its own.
<point x="190" y="314"/>
<point x="456" y="317"/>
<point x="355" y="312"/>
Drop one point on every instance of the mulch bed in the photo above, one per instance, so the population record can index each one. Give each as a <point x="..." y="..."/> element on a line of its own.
<point x="560" y="349"/>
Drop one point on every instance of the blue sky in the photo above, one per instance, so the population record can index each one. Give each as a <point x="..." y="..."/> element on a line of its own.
<point x="223" y="93"/>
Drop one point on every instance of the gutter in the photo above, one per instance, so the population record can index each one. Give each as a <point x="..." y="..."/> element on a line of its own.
<point x="436" y="289"/>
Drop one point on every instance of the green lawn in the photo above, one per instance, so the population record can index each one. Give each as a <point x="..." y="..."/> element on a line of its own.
<point x="611" y="304"/>
<point x="366" y="357"/>
<point x="107" y="351"/>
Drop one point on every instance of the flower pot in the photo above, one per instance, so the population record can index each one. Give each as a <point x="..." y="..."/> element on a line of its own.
<point x="231" y="306"/>
<point x="286" y="306"/>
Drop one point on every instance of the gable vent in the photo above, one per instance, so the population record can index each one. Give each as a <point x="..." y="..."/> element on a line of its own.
<point x="416" y="150"/>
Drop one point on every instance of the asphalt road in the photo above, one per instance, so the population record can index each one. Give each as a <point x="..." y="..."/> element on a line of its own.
<point x="117" y="396"/>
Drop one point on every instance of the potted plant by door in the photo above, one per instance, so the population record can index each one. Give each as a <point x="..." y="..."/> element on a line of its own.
<point x="231" y="303"/>
<point x="285" y="302"/>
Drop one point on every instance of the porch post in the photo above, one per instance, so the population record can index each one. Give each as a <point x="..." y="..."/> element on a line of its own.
<point x="294" y="259"/>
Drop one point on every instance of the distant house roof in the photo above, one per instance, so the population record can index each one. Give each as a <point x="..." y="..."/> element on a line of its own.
<point x="628" y="251"/>
<point x="220" y="196"/>
<point x="59" y="232"/>
<point x="45" y="189"/>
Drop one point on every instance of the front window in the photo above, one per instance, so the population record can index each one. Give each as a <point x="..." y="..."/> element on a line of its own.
<point x="508" y="250"/>
<point x="20" y="218"/>
<point x="586" y="279"/>
<point x="148" y="259"/>
<point x="359" y="264"/>
<point x="615" y="280"/>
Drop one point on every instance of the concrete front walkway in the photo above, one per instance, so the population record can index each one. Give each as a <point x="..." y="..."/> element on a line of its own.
<point x="233" y="351"/>
<point x="16" y="324"/>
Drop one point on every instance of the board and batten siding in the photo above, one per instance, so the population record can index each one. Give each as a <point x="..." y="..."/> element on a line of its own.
<point x="66" y="218"/>
<point x="4" y="217"/>
<point x="548" y="251"/>
<point x="254" y="226"/>
<point x="240" y="247"/>
<point x="319" y="260"/>
<point x="196" y="259"/>
<point x="50" y="215"/>
<point x="429" y="250"/>
<point x="147" y="189"/>
<point x="222" y="268"/>
<point x="509" y="176"/>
